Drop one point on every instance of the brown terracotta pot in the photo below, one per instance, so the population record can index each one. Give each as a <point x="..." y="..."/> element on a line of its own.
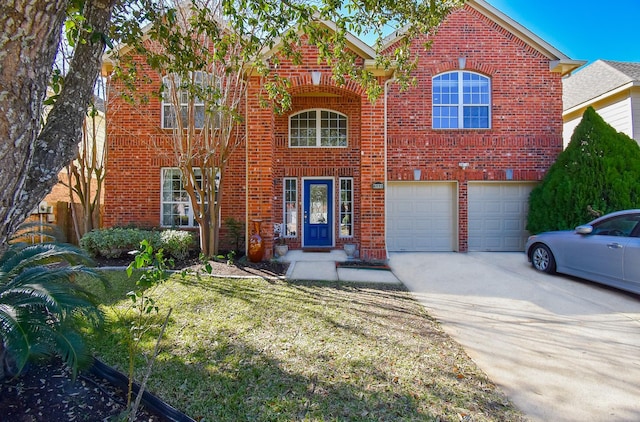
<point x="256" y="243"/>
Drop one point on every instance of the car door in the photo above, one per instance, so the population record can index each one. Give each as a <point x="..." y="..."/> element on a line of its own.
<point x="600" y="256"/>
<point x="631" y="260"/>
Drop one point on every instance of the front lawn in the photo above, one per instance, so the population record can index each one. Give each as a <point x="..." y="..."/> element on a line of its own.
<point x="256" y="350"/>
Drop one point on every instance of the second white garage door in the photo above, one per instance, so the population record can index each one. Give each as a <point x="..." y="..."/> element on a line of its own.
<point x="421" y="216"/>
<point x="498" y="215"/>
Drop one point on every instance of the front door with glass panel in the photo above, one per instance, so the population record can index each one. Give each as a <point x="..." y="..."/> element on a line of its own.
<point x="318" y="213"/>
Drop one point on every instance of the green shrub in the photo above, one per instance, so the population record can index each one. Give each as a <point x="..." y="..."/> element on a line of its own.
<point x="598" y="173"/>
<point x="176" y="243"/>
<point x="116" y="241"/>
<point x="235" y="233"/>
<point x="111" y="242"/>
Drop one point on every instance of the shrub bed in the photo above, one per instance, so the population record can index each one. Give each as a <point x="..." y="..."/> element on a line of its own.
<point x="116" y="241"/>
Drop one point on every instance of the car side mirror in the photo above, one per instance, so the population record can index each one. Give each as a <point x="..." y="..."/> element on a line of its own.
<point x="586" y="229"/>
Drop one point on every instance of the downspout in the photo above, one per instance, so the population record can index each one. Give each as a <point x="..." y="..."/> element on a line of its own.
<point x="246" y="170"/>
<point x="386" y="202"/>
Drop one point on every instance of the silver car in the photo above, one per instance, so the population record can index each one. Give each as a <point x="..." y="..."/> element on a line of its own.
<point x="607" y="251"/>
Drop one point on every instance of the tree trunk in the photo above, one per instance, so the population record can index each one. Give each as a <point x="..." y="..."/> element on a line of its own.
<point x="205" y="235"/>
<point x="30" y="158"/>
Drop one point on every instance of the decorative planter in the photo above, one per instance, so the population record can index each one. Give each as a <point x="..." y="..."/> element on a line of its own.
<point x="350" y="250"/>
<point x="256" y="243"/>
<point x="281" y="250"/>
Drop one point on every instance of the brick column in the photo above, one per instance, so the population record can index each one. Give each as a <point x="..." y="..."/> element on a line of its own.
<point x="372" y="216"/>
<point x="463" y="214"/>
<point x="259" y="165"/>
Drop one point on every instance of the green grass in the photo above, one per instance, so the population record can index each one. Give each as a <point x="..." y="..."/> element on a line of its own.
<point x="255" y="350"/>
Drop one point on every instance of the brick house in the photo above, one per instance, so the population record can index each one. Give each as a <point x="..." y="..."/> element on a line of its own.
<point x="444" y="166"/>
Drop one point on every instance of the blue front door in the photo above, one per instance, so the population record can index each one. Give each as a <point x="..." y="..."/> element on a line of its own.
<point x="318" y="213"/>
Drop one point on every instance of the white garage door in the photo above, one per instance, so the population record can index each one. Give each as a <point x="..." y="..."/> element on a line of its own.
<point x="421" y="216"/>
<point x="498" y="215"/>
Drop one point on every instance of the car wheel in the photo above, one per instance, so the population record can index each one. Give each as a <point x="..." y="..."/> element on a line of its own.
<point x="542" y="259"/>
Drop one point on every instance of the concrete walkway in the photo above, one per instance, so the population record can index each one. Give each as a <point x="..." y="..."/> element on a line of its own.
<point x="562" y="349"/>
<point x="322" y="266"/>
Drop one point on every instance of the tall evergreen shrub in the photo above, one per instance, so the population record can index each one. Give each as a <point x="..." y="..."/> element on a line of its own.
<point x="598" y="173"/>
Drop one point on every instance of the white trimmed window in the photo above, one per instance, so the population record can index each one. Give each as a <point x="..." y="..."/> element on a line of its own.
<point x="317" y="128"/>
<point x="290" y="207"/>
<point x="176" y="205"/>
<point x="169" y="117"/>
<point x="461" y="100"/>
<point x="346" y="207"/>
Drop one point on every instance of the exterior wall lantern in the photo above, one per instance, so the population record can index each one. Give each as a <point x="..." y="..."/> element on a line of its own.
<point x="509" y="174"/>
<point x="315" y="77"/>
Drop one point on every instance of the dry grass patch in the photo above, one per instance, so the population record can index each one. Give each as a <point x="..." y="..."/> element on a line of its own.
<point x="263" y="351"/>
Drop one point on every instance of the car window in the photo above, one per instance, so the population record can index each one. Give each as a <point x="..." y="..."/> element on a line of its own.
<point x="618" y="226"/>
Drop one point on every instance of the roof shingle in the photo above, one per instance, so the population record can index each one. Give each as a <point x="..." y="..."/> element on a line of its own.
<point x="597" y="79"/>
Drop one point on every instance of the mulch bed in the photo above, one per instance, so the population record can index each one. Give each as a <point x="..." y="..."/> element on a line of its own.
<point x="46" y="392"/>
<point x="364" y="265"/>
<point x="238" y="268"/>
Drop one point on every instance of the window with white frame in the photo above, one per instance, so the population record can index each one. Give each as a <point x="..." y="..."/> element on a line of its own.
<point x="346" y="207"/>
<point x="318" y="128"/>
<point x="290" y="207"/>
<point x="461" y="100"/>
<point x="176" y="205"/>
<point x="181" y="97"/>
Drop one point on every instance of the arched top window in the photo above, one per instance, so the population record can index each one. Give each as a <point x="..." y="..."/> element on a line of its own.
<point x="317" y="128"/>
<point x="461" y="100"/>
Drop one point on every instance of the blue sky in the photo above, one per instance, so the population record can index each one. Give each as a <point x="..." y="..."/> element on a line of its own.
<point x="581" y="29"/>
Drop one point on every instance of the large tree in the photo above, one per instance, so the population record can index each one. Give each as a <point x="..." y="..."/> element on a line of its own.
<point x="598" y="173"/>
<point x="207" y="49"/>
<point x="31" y="153"/>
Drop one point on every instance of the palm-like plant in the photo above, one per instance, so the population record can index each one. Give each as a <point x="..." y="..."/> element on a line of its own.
<point x="41" y="305"/>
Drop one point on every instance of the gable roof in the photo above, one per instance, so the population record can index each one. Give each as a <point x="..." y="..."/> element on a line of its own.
<point x="353" y="43"/>
<point x="558" y="62"/>
<point x="601" y="78"/>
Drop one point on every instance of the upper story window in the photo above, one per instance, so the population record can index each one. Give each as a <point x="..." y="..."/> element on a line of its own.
<point x="461" y="100"/>
<point x="181" y="97"/>
<point x="318" y="128"/>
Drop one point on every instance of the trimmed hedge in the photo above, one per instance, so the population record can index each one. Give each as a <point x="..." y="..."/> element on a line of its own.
<point x="114" y="242"/>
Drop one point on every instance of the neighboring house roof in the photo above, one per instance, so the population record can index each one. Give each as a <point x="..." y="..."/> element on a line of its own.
<point x="559" y="62"/>
<point x="599" y="79"/>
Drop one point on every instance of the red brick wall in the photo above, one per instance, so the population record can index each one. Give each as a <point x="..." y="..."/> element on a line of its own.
<point x="526" y="111"/>
<point x="270" y="159"/>
<point x="139" y="148"/>
<point x="319" y="162"/>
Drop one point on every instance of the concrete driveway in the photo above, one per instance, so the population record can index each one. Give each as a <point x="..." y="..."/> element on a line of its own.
<point x="562" y="349"/>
